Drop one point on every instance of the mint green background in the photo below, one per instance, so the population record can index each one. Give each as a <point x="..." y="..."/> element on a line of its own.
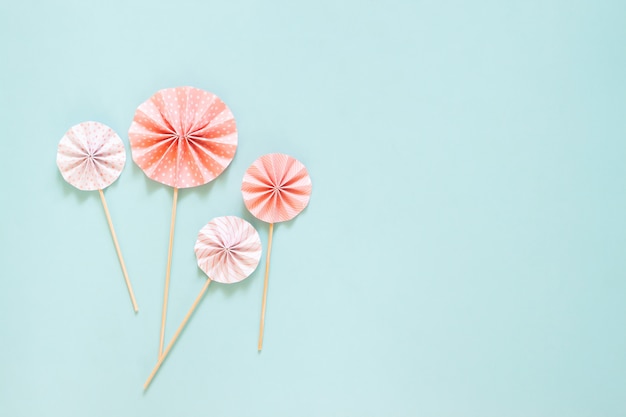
<point x="463" y="253"/>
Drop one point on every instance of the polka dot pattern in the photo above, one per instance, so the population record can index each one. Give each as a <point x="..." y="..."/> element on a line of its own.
<point x="228" y="249"/>
<point x="91" y="156"/>
<point x="276" y="188"/>
<point x="183" y="137"/>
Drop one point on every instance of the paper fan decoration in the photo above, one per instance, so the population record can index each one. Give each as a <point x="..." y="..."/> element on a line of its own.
<point x="182" y="137"/>
<point x="275" y="188"/>
<point x="91" y="156"/>
<point x="228" y="250"/>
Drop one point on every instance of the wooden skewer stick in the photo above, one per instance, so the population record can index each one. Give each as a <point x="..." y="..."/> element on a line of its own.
<point x="267" y="273"/>
<point x="167" y="273"/>
<point x="180" y="329"/>
<point x="119" y="252"/>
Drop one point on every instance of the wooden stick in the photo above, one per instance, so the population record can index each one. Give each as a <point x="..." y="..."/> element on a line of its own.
<point x="119" y="252"/>
<point x="180" y="329"/>
<point x="267" y="273"/>
<point x="167" y="273"/>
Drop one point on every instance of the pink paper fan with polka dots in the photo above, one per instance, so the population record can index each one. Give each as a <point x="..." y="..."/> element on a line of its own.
<point x="91" y="156"/>
<point x="183" y="137"/>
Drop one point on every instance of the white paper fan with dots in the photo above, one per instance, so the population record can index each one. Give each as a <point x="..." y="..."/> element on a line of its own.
<point x="91" y="156"/>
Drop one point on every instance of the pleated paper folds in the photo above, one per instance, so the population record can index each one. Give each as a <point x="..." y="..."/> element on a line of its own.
<point x="183" y="137"/>
<point x="228" y="249"/>
<point x="276" y="188"/>
<point x="91" y="156"/>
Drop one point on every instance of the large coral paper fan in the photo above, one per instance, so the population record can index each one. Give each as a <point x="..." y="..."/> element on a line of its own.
<point x="183" y="137"/>
<point x="91" y="156"/>
<point x="228" y="249"/>
<point x="276" y="188"/>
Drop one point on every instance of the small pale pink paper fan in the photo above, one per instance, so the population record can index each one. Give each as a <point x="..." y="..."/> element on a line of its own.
<point x="183" y="137"/>
<point x="276" y="188"/>
<point x="228" y="249"/>
<point x="91" y="156"/>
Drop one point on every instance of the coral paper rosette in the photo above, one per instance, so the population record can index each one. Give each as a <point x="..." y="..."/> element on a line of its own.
<point x="183" y="137"/>
<point x="276" y="188"/>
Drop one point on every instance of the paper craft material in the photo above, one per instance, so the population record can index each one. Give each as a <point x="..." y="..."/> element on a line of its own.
<point x="275" y="188"/>
<point x="182" y="137"/>
<point x="91" y="156"/>
<point x="228" y="250"/>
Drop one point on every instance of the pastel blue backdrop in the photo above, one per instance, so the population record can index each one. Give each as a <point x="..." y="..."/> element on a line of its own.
<point x="463" y="253"/>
